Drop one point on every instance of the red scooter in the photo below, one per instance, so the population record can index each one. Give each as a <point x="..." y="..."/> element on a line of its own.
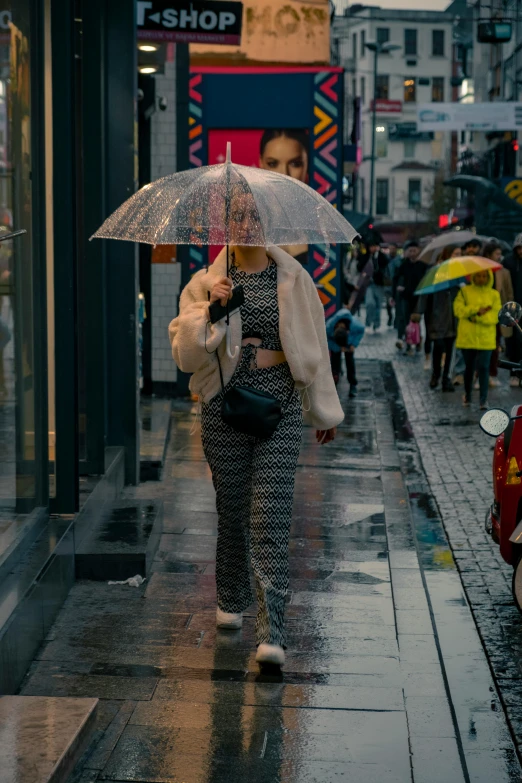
<point x="504" y="518"/>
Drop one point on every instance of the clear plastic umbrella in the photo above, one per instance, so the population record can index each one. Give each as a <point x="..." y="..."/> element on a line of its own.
<point x="227" y="204"/>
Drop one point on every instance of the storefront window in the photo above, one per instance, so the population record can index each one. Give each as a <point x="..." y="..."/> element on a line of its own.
<point x="17" y="399"/>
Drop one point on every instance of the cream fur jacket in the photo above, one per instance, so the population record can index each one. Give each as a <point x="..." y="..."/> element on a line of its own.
<point x="301" y="329"/>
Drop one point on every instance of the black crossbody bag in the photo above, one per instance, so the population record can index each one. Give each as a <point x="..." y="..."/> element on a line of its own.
<point x="249" y="410"/>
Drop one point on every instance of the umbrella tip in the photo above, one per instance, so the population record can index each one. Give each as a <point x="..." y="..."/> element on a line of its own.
<point x="229" y="152"/>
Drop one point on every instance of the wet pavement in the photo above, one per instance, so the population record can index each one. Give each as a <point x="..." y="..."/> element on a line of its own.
<point x="385" y="680"/>
<point x="456" y="457"/>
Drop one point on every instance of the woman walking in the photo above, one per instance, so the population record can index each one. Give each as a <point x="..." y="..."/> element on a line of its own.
<point x="476" y="306"/>
<point x="284" y="353"/>
<point x="441" y="326"/>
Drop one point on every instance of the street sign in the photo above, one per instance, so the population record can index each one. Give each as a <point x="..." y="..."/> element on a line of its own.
<point x="190" y="21"/>
<point x="383" y="106"/>
<point x="488" y="116"/>
<point x="402" y="131"/>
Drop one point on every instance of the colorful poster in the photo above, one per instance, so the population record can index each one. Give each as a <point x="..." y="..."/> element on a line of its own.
<point x="286" y="119"/>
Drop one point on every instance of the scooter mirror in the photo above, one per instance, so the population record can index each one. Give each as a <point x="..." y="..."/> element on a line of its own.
<point x="510" y="313"/>
<point x="494" y="422"/>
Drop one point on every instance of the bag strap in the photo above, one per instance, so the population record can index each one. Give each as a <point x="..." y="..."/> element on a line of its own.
<point x="220" y="371"/>
<point x="223" y="385"/>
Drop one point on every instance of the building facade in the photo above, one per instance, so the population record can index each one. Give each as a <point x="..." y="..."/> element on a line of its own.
<point x="69" y="390"/>
<point x="408" y="164"/>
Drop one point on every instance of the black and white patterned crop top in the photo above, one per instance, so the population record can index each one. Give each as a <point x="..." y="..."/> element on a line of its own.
<point x="260" y="311"/>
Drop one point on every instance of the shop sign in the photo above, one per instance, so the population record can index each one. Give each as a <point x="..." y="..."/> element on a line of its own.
<point x="401" y="131"/>
<point x="497" y="116"/>
<point x="190" y="21"/>
<point x="383" y="106"/>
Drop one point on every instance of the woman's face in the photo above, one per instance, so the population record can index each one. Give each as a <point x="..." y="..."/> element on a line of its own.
<point x="457" y="253"/>
<point x="285" y="156"/>
<point x="244" y="221"/>
<point x="496" y="255"/>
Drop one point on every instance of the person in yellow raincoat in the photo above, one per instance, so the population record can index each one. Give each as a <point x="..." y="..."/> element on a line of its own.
<point x="476" y="306"/>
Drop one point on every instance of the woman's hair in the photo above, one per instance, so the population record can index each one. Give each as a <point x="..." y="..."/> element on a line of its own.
<point x="447" y="252"/>
<point x="489" y="248"/>
<point x="290" y="133"/>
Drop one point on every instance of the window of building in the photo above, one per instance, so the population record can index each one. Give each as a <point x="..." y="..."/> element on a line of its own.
<point x="354" y="45"/>
<point x="437" y="43"/>
<point x="381" y="192"/>
<point x="354" y="88"/>
<point x="410" y="41"/>
<point x="410" y="90"/>
<point x="363" y="42"/>
<point x="363" y="90"/>
<point x="414" y="193"/>
<point x="383" y="35"/>
<point x="382" y="86"/>
<point x="437" y="89"/>
<point x="409" y="148"/>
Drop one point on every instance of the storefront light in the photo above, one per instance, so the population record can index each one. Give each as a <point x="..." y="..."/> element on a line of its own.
<point x="380" y="129"/>
<point x="147" y="69"/>
<point x="147" y="48"/>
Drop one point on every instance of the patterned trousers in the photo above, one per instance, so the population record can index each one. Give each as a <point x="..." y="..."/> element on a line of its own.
<point x="254" y="483"/>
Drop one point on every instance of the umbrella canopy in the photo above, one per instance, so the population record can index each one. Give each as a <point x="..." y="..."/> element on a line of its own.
<point x="453" y="272"/>
<point x="431" y="251"/>
<point x="227" y="204"/>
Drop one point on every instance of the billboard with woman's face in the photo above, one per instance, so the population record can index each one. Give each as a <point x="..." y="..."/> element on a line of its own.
<point x="287" y="120"/>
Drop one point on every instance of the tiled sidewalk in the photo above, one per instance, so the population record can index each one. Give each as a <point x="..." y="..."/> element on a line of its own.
<point x="365" y="690"/>
<point x="456" y="457"/>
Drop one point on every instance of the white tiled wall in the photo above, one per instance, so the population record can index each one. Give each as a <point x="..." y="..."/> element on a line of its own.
<point x="166" y="280"/>
<point x="163" y="126"/>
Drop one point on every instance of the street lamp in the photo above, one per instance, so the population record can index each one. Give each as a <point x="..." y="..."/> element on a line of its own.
<point x="377" y="49"/>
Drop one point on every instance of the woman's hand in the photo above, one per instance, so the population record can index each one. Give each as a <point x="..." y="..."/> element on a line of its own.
<point x="325" y="436"/>
<point x="221" y="291"/>
<point x="484" y="310"/>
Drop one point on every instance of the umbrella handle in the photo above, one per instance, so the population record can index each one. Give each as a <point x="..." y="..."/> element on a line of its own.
<point x="231" y="353"/>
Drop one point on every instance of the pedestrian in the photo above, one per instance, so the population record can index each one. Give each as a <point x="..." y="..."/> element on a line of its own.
<point x="405" y="282"/>
<point x="472" y="247"/>
<point x="365" y="269"/>
<point x="476" y="306"/>
<point x="394" y="261"/>
<point x="284" y="354"/>
<point x="375" y="290"/>
<point x="441" y="326"/>
<point x="344" y="332"/>
<point x="504" y="286"/>
<point x="350" y="272"/>
<point x="513" y="263"/>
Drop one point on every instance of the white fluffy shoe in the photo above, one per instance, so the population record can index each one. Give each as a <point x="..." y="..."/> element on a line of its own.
<point x="270" y="653"/>
<point x="229" y="620"/>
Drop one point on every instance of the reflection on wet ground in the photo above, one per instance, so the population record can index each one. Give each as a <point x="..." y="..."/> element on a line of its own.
<point x="364" y="693"/>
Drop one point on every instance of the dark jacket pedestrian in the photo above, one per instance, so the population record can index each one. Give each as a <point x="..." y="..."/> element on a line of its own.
<point x="405" y="282"/>
<point x="366" y="270"/>
<point x="513" y="263"/>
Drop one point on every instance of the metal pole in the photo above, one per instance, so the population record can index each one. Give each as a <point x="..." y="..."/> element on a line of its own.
<point x="374" y="120"/>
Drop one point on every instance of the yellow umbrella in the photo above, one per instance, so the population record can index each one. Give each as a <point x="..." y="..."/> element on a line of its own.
<point x="453" y="272"/>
